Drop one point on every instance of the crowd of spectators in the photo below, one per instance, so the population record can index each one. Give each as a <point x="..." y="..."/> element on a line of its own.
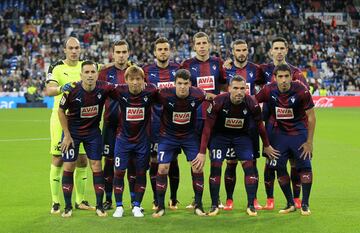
<point x="32" y="34"/>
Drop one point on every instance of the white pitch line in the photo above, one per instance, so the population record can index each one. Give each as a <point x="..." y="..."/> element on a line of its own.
<point x="24" y="139"/>
<point x="24" y="120"/>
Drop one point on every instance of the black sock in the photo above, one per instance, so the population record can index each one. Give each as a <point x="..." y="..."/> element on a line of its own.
<point x="214" y="182"/>
<point x="108" y="177"/>
<point x="198" y="186"/>
<point x="296" y="182"/>
<point x="161" y="186"/>
<point x="67" y="187"/>
<point x="284" y="182"/>
<point x="250" y="180"/>
<point x="99" y="187"/>
<point x="152" y="173"/>
<point x="269" y="178"/>
<point x="140" y="186"/>
<point x="230" y="179"/>
<point x="306" y="177"/>
<point x="174" y="174"/>
<point x="119" y="186"/>
<point x="131" y="176"/>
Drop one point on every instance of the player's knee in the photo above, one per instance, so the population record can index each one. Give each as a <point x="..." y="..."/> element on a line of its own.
<point x="231" y="161"/>
<point x="69" y="166"/>
<point x="57" y="161"/>
<point x="81" y="161"/>
<point x="163" y="169"/>
<point x="95" y="165"/>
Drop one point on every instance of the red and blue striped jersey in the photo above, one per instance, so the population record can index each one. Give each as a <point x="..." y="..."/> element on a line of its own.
<point x="288" y="109"/>
<point x="179" y="115"/>
<point x="115" y="76"/>
<point x="85" y="108"/>
<point x="207" y="75"/>
<point x="252" y="73"/>
<point x="135" y="112"/>
<point x="268" y="76"/>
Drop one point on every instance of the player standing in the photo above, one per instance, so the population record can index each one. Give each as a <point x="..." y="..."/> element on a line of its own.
<point x="290" y="127"/>
<point x="278" y="51"/>
<point x="80" y="123"/>
<point x="132" y="140"/>
<point x="114" y="74"/>
<point x="228" y="125"/>
<point x="161" y="74"/>
<point x="177" y="131"/>
<point x="252" y="74"/>
<point x="207" y="73"/>
<point x="59" y="74"/>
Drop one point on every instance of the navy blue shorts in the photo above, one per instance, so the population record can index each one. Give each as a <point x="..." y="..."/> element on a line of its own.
<point x="288" y="145"/>
<point x="109" y="136"/>
<point x="92" y="146"/>
<point x="124" y="150"/>
<point x="231" y="147"/>
<point x="169" y="146"/>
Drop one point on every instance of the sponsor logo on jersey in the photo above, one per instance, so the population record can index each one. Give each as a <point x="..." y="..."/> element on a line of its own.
<point x="135" y="114"/>
<point x="89" y="112"/>
<point x="234" y="123"/>
<point x="206" y="83"/>
<point x="284" y="113"/>
<point x="181" y="118"/>
<point x="165" y="84"/>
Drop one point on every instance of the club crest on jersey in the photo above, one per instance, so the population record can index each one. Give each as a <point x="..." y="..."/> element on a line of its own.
<point x="173" y="73"/>
<point x="245" y="111"/>
<point x="209" y="109"/>
<point x="135" y="114"/>
<point x="192" y="103"/>
<point x="165" y="84"/>
<point x="181" y="118"/>
<point x="99" y="96"/>
<point x="206" y="83"/>
<point x="89" y="112"/>
<point x="146" y="98"/>
<point x="251" y="74"/>
<point x="234" y="123"/>
<point x="214" y="67"/>
<point x="292" y="99"/>
<point x="284" y="113"/>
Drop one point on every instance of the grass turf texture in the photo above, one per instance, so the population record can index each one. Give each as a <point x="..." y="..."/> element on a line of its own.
<point x="25" y="192"/>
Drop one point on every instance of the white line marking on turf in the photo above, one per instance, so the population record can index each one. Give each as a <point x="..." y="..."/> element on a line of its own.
<point x="24" y="139"/>
<point x="24" y="120"/>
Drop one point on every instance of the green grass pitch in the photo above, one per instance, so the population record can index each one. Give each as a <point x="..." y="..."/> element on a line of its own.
<point x="25" y="192"/>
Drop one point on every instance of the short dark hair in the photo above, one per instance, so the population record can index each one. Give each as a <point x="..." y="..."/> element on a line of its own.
<point x="133" y="70"/>
<point x="183" y="74"/>
<point x="161" y="40"/>
<point x="237" y="78"/>
<point x="282" y="67"/>
<point x="280" y="39"/>
<point x="236" y="42"/>
<point x="120" y="42"/>
<point x="89" y="62"/>
<point x="200" y="35"/>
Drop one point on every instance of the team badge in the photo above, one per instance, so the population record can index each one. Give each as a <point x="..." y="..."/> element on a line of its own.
<point x="99" y="96"/>
<point x="209" y="109"/>
<point x="245" y="111"/>
<point x="251" y="74"/>
<point x="192" y="103"/>
<point x="145" y="98"/>
<point x="292" y="99"/>
<point x="214" y="67"/>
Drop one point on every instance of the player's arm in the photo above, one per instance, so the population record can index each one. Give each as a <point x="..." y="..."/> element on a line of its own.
<point x="223" y="86"/>
<point x="307" y="147"/>
<point x="67" y="140"/>
<point x="210" y="120"/>
<point x="268" y="149"/>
